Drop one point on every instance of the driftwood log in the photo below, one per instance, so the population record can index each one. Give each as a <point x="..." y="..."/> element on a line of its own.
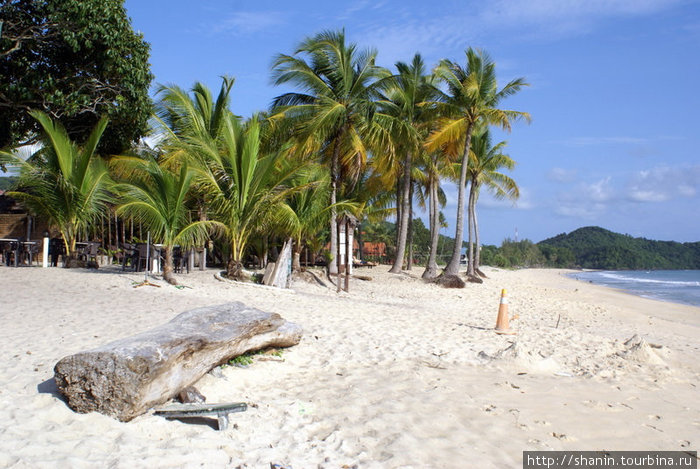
<point x="125" y="378"/>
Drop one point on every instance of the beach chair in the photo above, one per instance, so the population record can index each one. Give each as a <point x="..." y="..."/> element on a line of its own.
<point x="188" y="411"/>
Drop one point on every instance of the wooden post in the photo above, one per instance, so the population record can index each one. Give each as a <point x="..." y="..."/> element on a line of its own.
<point x="337" y="259"/>
<point x="348" y="254"/>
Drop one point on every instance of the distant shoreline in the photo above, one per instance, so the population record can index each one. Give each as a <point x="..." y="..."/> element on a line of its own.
<point x="660" y="287"/>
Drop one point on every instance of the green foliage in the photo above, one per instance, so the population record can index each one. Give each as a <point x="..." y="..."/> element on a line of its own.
<point x="63" y="182"/>
<point x="247" y="358"/>
<point x="76" y="60"/>
<point x="7" y="183"/>
<point x="597" y="248"/>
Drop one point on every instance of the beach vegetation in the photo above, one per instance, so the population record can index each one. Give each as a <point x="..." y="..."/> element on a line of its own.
<point x="65" y="182"/>
<point x="76" y="61"/>
<point x="486" y="162"/>
<point x="406" y="112"/>
<point x="247" y="189"/>
<point x="471" y="102"/>
<point x="350" y="138"/>
<point x="156" y="196"/>
<point x="332" y="115"/>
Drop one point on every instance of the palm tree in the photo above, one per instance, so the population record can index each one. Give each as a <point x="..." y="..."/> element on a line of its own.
<point x="485" y="162"/>
<point x="247" y="188"/>
<point x="472" y="100"/>
<point x="63" y="181"/>
<point x="310" y="208"/>
<point x="333" y="113"/>
<point x="156" y="197"/>
<point x="405" y="111"/>
<point x="185" y="118"/>
<point x="435" y="166"/>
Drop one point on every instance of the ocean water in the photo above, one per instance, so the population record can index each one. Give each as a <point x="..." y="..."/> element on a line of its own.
<point x="678" y="286"/>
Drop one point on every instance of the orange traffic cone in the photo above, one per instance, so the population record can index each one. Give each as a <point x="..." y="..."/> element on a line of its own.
<point x="502" y="326"/>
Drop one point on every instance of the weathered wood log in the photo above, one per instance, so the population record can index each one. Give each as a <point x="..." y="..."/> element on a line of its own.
<point x="125" y="378"/>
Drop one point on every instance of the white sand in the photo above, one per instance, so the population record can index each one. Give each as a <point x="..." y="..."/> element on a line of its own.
<point x="397" y="373"/>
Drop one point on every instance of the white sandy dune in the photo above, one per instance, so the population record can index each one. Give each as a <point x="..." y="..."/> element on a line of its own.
<point x="395" y="374"/>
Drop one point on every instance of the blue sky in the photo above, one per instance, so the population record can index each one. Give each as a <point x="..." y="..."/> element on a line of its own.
<point x="615" y="131"/>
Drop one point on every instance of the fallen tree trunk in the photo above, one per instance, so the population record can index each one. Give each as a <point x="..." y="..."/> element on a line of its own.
<point x="127" y="377"/>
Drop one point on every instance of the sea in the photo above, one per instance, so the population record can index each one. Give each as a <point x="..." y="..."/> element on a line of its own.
<point x="677" y="286"/>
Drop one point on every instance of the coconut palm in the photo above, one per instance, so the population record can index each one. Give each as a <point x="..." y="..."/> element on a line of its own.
<point x="485" y="162"/>
<point x="196" y="115"/>
<point x="64" y="182"/>
<point x="246" y="188"/>
<point x="331" y="116"/>
<point x="183" y="118"/>
<point x="472" y="100"/>
<point x="156" y="197"/>
<point x="406" y="112"/>
<point x="435" y="167"/>
<point x="310" y="208"/>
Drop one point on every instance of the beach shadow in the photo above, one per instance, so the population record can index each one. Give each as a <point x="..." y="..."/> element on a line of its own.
<point x="475" y="327"/>
<point x="211" y="423"/>
<point x="49" y="387"/>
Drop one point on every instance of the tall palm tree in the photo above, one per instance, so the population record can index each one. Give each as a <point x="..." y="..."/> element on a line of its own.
<point x="435" y="167"/>
<point x="63" y="181"/>
<point x="333" y="112"/>
<point x="485" y="162"/>
<point x="246" y="187"/>
<point x="405" y="111"/>
<point x="472" y="99"/>
<point x="156" y="197"/>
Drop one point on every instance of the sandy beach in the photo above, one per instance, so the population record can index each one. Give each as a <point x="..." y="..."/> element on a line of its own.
<point x="395" y="374"/>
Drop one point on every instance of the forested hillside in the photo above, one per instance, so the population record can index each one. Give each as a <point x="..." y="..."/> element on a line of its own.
<point x="597" y="248"/>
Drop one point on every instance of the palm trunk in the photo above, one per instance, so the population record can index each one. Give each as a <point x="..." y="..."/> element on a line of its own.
<point x="168" y="266"/>
<point x="333" y="265"/>
<point x="397" y="226"/>
<point x="405" y="212"/>
<point x="348" y="254"/>
<point x="431" y="267"/>
<point x="296" y="257"/>
<point x="477" y="253"/>
<point x="359" y="241"/>
<point x="409" y="236"/>
<point x="337" y="253"/>
<point x="453" y="266"/>
<point x="470" y="211"/>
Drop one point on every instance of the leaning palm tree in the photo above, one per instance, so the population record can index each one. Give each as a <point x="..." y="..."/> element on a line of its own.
<point x="156" y="197"/>
<point x="485" y="162"/>
<point x="246" y="187"/>
<point x="332" y="114"/>
<point x="63" y="181"/>
<point x="406" y="111"/>
<point x="472" y="100"/>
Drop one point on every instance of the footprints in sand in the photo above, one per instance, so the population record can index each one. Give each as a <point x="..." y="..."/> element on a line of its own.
<point x="607" y="406"/>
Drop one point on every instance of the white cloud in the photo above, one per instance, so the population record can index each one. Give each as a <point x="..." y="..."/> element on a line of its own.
<point x="248" y="22"/>
<point x="556" y="10"/>
<point x="600" y="191"/>
<point x="664" y="183"/>
<point x="561" y="175"/>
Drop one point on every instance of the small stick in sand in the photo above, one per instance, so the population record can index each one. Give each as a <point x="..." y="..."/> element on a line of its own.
<point x="557" y="326"/>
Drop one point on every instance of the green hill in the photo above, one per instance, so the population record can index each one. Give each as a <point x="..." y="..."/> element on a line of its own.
<point x="7" y="182"/>
<point x="596" y="248"/>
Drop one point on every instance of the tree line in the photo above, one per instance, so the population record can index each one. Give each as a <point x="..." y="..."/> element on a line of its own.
<point x="353" y="139"/>
<point x="595" y="248"/>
